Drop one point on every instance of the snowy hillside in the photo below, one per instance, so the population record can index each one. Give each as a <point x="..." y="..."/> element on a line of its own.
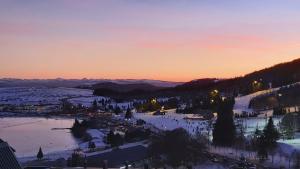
<point x="39" y="95"/>
<point x="242" y="103"/>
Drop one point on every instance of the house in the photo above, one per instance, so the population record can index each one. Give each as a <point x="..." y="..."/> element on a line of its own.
<point x="291" y="109"/>
<point x="8" y="159"/>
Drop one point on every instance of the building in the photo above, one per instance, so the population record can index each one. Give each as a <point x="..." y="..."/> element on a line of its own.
<point x="8" y="159"/>
<point x="291" y="109"/>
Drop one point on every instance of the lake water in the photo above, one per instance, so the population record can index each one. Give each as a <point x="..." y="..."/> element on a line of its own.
<point x="26" y="135"/>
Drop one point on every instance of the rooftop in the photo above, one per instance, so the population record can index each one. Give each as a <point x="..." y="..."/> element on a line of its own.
<point x="8" y="159"/>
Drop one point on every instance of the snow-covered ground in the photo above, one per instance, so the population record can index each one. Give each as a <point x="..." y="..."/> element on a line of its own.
<point x="39" y="95"/>
<point x="294" y="143"/>
<point x="172" y="120"/>
<point x="250" y="124"/>
<point x="47" y="97"/>
<point x="284" y="155"/>
<point x="86" y="101"/>
<point x="97" y="137"/>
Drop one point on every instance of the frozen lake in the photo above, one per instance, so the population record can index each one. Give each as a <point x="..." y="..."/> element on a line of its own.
<point x="26" y="135"/>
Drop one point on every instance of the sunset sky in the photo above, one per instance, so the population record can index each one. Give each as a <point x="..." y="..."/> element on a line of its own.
<point x="175" y="40"/>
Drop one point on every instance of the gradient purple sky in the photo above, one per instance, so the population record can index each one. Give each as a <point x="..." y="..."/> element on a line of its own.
<point x="176" y="40"/>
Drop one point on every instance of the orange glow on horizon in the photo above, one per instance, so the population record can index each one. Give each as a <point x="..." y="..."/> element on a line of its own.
<point x="161" y="40"/>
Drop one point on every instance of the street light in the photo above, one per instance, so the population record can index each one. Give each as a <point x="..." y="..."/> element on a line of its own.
<point x="153" y="101"/>
<point x="214" y="93"/>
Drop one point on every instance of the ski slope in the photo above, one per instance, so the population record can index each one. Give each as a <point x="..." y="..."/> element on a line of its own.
<point x="172" y="121"/>
<point x="242" y="103"/>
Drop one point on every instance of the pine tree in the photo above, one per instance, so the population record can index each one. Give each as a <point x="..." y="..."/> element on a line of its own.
<point x="110" y="137"/>
<point x="257" y="133"/>
<point x="271" y="133"/>
<point x="240" y="140"/>
<point x="92" y="145"/>
<point x="117" y="141"/>
<point x="128" y="114"/>
<point x="40" y="154"/>
<point x="95" y="105"/>
<point x="117" y="110"/>
<point x="224" y="129"/>
<point x="76" y="124"/>
<point x="76" y="159"/>
<point x="255" y="139"/>
<point x="267" y="141"/>
<point x="262" y="147"/>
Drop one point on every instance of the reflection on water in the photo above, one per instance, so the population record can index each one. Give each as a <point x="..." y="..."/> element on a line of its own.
<point x="26" y="135"/>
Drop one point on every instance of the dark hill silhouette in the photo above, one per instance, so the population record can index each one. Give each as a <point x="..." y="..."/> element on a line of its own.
<point x="278" y="75"/>
<point x="125" y="91"/>
<point x="126" y="87"/>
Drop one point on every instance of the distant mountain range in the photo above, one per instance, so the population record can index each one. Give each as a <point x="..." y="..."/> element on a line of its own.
<point x="126" y="87"/>
<point x="83" y="83"/>
<point x="275" y="76"/>
<point x="126" y="91"/>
